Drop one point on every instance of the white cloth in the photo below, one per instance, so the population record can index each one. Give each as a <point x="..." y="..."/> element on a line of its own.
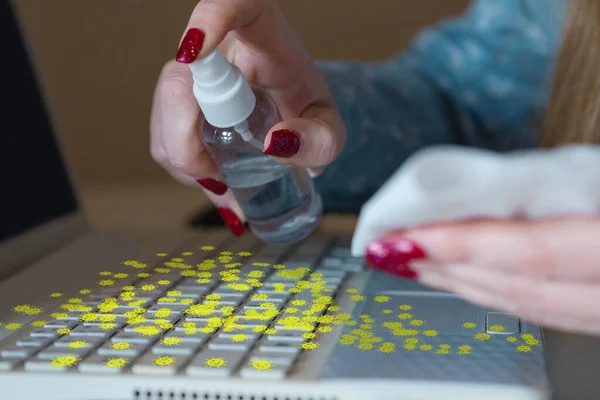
<point x="449" y="183"/>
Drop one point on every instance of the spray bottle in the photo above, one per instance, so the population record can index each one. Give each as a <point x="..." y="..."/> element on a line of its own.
<point x="280" y="202"/>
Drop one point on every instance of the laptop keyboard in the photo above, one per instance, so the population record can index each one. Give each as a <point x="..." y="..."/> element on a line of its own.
<point x="233" y="313"/>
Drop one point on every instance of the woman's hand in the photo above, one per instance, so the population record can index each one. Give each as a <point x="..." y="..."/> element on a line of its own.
<point x="255" y="36"/>
<point x="546" y="272"/>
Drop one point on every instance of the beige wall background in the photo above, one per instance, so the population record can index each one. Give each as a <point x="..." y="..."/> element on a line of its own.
<point x="99" y="61"/>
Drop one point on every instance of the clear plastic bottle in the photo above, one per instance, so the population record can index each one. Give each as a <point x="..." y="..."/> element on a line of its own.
<point x="280" y="202"/>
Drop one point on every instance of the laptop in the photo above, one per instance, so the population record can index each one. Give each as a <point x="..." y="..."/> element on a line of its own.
<point x="201" y="315"/>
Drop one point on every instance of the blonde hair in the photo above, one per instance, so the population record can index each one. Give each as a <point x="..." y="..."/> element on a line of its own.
<point x="573" y="115"/>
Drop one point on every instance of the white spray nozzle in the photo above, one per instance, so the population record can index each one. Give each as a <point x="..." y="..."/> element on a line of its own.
<point x="224" y="95"/>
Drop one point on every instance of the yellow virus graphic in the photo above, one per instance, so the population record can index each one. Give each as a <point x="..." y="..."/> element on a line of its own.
<point x="64" y="361"/>
<point x="63" y="331"/>
<point x="118" y="362"/>
<point x="259" y="328"/>
<point x="13" y="326"/>
<point x="464" y="349"/>
<point x="425" y="347"/>
<point x="387" y="347"/>
<point x="357" y="297"/>
<point x="147" y="330"/>
<point x="270" y="331"/>
<point x="148" y="288"/>
<point x="405" y="316"/>
<point x="244" y="254"/>
<point x="120" y="275"/>
<point x="261" y="365"/>
<point x="106" y="282"/>
<point x="207" y="248"/>
<point x="388" y="311"/>
<point x="405" y="307"/>
<point x="352" y="290"/>
<point x="27" y="309"/>
<point x="161" y="254"/>
<point x="409" y="346"/>
<point x="85" y="291"/>
<point x="443" y="351"/>
<point x="309" y="346"/>
<point x="430" y="332"/>
<point x="411" y="341"/>
<point x="59" y="315"/>
<point x="135" y="264"/>
<point x="496" y="328"/>
<point x="143" y="275"/>
<point x="523" y="349"/>
<point x="89" y="317"/>
<point x="105" y="273"/>
<point x="532" y="342"/>
<point x="382" y="299"/>
<point x="164" y="361"/>
<point x="469" y="325"/>
<point x="78" y="344"/>
<point x="162" y="270"/>
<point x="171" y="341"/>
<point x="215" y="362"/>
<point x="121" y="345"/>
<point x="56" y="294"/>
<point x="38" y="324"/>
<point x="511" y="339"/>
<point x="239" y="338"/>
<point x="107" y="326"/>
<point x="365" y="346"/>
<point x="324" y="329"/>
<point x="416" y="322"/>
<point x="483" y="336"/>
<point x="309" y="335"/>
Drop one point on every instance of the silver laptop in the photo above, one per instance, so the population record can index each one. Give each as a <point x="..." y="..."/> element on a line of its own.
<point x="201" y="315"/>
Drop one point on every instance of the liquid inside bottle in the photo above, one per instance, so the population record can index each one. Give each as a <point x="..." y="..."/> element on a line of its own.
<point x="281" y="203"/>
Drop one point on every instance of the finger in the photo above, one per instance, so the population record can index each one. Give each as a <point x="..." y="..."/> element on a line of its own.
<point x="179" y="130"/>
<point x="567" y="306"/>
<point x="549" y="249"/>
<point x="315" y="140"/>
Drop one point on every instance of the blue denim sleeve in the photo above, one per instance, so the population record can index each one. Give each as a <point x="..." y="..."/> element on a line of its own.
<point x="477" y="80"/>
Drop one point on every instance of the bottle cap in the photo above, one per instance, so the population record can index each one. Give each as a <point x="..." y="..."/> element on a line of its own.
<point x="224" y="95"/>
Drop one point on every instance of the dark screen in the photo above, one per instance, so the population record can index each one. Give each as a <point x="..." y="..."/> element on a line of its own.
<point x="35" y="187"/>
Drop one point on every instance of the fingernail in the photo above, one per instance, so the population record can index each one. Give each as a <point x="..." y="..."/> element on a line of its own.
<point x="190" y="46"/>
<point x="236" y="226"/>
<point x="284" y="143"/>
<point x="217" y="187"/>
<point x="395" y="256"/>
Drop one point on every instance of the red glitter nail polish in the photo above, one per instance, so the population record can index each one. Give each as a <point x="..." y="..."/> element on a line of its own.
<point x="190" y="47"/>
<point x="394" y="256"/>
<point x="284" y="143"/>
<point x="233" y="222"/>
<point x="217" y="187"/>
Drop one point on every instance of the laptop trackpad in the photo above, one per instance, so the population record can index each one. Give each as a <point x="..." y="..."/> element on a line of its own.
<point x="442" y="312"/>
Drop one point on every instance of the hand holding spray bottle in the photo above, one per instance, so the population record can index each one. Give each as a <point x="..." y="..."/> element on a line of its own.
<point x="280" y="202"/>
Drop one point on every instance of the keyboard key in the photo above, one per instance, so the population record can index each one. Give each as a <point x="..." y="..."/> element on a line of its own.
<point x="328" y="272"/>
<point x="44" y="333"/>
<point x="279" y="347"/>
<point x="226" y="344"/>
<point x="192" y="289"/>
<point x="255" y="370"/>
<point x="342" y="252"/>
<point x="34" y="342"/>
<point x="195" y="337"/>
<point x="285" y="335"/>
<point x="17" y="352"/>
<point x="58" y="324"/>
<point x="180" y="348"/>
<point x="281" y="359"/>
<point x="8" y="363"/>
<point x="104" y="364"/>
<point x="66" y="341"/>
<point x="52" y="353"/>
<point x="153" y="364"/>
<point x="57" y="365"/>
<point x="91" y="331"/>
<point x="179" y="308"/>
<point x="132" y="337"/>
<point x="122" y="349"/>
<point x="215" y="363"/>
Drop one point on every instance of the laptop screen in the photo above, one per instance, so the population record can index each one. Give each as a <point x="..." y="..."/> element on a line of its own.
<point x="35" y="184"/>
